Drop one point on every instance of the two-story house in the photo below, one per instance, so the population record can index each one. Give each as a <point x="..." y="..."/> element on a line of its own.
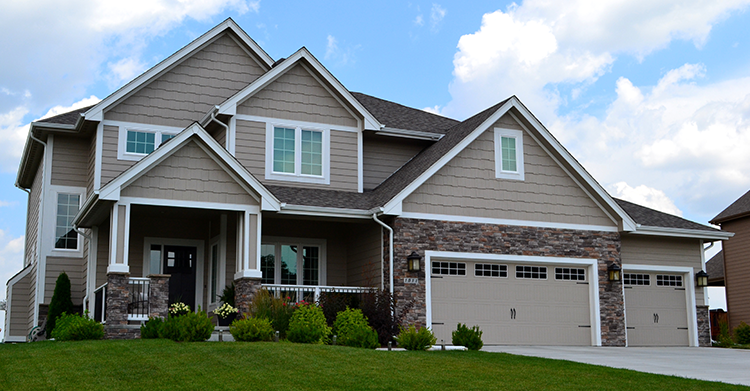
<point x="221" y="165"/>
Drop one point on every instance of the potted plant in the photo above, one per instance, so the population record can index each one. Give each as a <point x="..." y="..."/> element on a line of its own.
<point x="226" y="314"/>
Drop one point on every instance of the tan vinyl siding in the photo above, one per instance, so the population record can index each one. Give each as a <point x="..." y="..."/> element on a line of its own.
<point x="186" y="92"/>
<point x="467" y="186"/>
<point x="70" y="161"/>
<point x="220" y="135"/>
<point x="231" y="248"/>
<point x="91" y="165"/>
<point x="32" y="220"/>
<point x="382" y="156"/>
<point x="363" y="256"/>
<point x="111" y="166"/>
<point x="250" y="150"/>
<point x="71" y="267"/>
<point x="663" y="251"/>
<point x="31" y="304"/>
<point x="189" y="174"/>
<point x="737" y="270"/>
<point x="18" y="304"/>
<point x="84" y="268"/>
<point x="296" y="95"/>
<point x="102" y="254"/>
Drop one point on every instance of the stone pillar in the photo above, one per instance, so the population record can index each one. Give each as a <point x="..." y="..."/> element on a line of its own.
<point x="244" y="291"/>
<point x="118" y="297"/>
<point x="611" y="309"/>
<point x="704" y="325"/>
<point x="158" y="295"/>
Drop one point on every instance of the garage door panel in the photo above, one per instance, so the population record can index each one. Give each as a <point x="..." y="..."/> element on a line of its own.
<point x="655" y="315"/>
<point x="512" y="310"/>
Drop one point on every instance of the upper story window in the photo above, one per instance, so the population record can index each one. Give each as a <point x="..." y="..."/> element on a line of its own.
<point x="140" y="142"/>
<point x="298" y="154"/>
<point x="136" y="142"/>
<point x="509" y="154"/>
<point x="67" y="207"/>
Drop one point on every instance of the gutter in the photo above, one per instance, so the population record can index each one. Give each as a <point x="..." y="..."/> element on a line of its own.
<point x="682" y="232"/>
<point x="325" y="211"/>
<point x="405" y="133"/>
<point x="390" y="250"/>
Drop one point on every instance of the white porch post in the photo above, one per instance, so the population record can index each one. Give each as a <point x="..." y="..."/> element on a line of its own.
<point x="119" y="237"/>
<point x="248" y="229"/>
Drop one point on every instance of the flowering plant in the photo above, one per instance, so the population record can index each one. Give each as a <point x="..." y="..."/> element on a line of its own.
<point x="178" y="309"/>
<point x="225" y="311"/>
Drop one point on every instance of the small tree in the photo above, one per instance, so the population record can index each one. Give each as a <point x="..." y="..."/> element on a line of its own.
<point x="60" y="303"/>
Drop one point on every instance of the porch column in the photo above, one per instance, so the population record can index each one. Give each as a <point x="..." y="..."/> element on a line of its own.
<point x="247" y="276"/>
<point x="119" y="236"/>
<point x="158" y="295"/>
<point x="118" y="272"/>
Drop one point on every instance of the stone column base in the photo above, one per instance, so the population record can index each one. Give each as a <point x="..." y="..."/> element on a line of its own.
<point x="124" y="331"/>
<point x="158" y="295"/>
<point x="704" y="325"/>
<point x="118" y="297"/>
<point x="244" y="292"/>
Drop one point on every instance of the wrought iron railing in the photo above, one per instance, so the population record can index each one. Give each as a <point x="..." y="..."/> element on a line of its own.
<point x="100" y="303"/>
<point x="139" y="306"/>
<point x="311" y="292"/>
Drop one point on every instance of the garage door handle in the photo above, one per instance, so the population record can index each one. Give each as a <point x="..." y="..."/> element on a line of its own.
<point x="656" y="318"/>
<point x="584" y="325"/>
<point x="682" y="328"/>
<point x="438" y="323"/>
<point x="630" y="328"/>
<point x="512" y="313"/>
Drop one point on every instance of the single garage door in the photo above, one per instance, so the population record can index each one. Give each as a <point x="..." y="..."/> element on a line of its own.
<point x="655" y="309"/>
<point x="512" y="304"/>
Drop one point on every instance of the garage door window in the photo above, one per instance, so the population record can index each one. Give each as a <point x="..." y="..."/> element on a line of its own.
<point x="532" y="272"/>
<point x="668" y="280"/>
<point x="636" y="279"/>
<point x="490" y="270"/>
<point x="570" y="274"/>
<point x="449" y="268"/>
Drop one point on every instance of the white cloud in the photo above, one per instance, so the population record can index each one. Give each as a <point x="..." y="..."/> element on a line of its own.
<point x="125" y="70"/>
<point x="11" y="262"/>
<point x="433" y="110"/>
<point x="340" y="57"/>
<point x="57" y="110"/>
<point x="332" y="47"/>
<point x="7" y="203"/>
<point x="646" y="196"/>
<point x="437" y="14"/>
<point x="419" y="20"/>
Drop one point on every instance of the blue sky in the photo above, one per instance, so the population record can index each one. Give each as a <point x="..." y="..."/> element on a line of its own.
<point x="652" y="97"/>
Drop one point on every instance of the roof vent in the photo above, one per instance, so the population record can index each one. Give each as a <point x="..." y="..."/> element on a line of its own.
<point x="279" y="61"/>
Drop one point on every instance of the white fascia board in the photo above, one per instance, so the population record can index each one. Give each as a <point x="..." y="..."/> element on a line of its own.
<point x="682" y="233"/>
<point x="627" y="222"/>
<point x="319" y="211"/>
<point x="87" y="205"/>
<point x="413" y="134"/>
<point x="394" y="205"/>
<point x="96" y="112"/>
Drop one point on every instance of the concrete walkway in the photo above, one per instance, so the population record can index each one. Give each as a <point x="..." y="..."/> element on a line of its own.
<point x="714" y="364"/>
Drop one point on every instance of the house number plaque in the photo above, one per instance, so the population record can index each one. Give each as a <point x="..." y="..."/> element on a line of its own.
<point x="410" y="280"/>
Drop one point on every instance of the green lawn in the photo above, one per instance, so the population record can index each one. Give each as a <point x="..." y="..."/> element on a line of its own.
<point x="163" y="364"/>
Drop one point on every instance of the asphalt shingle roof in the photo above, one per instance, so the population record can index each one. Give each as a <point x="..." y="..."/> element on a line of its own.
<point x="68" y="118"/>
<point x="397" y="116"/>
<point x="653" y="218"/>
<point x="739" y="208"/>
<point x="715" y="267"/>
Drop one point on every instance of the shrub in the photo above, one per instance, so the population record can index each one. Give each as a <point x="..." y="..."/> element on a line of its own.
<point x="469" y="337"/>
<point x="380" y="309"/>
<point x="352" y="329"/>
<point x="252" y="329"/>
<point x="74" y="327"/>
<point x="227" y="295"/>
<point x="308" y="325"/>
<point x="416" y="339"/>
<point x="60" y="303"/>
<point x="152" y="328"/>
<point x="334" y="302"/>
<point x="742" y="333"/>
<point x="191" y="327"/>
<point x="725" y="340"/>
<point x="277" y="310"/>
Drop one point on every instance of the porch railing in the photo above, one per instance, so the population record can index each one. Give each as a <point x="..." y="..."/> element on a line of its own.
<point x="100" y="303"/>
<point x="311" y="292"/>
<point x="139" y="306"/>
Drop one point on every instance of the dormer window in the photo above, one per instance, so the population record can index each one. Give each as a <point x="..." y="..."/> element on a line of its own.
<point x="297" y="153"/>
<point x="509" y="154"/>
<point x="137" y="141"/>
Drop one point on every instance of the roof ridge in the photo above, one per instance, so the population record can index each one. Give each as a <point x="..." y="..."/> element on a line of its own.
<point x="738" y="208"/>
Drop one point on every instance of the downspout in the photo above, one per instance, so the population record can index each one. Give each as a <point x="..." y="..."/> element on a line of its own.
<point x="41" y="213"/>
<point x="226" y="128"/>
<point x="86" y="297"/>
<point x="390" y="251"/>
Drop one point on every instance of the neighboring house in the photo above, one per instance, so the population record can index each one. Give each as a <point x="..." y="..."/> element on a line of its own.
<point x="715" y="269"/>
<point x="221" y="165"/>
<point x="736" y="251"/>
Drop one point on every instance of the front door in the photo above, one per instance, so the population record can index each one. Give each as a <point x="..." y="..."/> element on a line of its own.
<point x="179" y="262"/>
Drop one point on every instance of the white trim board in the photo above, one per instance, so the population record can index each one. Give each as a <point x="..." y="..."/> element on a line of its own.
<point x="688" y="278"/>
<point x="592" y="270"/>
<point x="494" y="221"/>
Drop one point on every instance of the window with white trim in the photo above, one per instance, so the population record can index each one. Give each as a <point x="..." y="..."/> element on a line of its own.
<point x="490" y="270"/>
<point x="67" y="208"/>
<point x="636" y="279"/>
<point x="570" y="274"/>
<point x="531" y="272"/>
<point x="509" y="154"/>
<point x="668" y="280"/>
<point x="297" y="153"/>
<point x="291" y="262"/>
<point x="137" y="142"/>
<point x="449" y="268"/>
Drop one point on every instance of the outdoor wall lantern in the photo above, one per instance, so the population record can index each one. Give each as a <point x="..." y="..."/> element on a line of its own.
<point x="614" y="272"/>
<point x="701" y="279"/>
<point x="412" y="261"/>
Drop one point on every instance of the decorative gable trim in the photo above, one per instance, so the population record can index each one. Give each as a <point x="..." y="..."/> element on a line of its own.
<point x="111" y="192"/>
<point x="229" y="107"/>
<point x="96" y="113"/>
<point x="394" y="206"/>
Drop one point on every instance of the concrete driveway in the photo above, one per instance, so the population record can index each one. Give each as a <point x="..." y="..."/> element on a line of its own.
<point x="714" y="364"/>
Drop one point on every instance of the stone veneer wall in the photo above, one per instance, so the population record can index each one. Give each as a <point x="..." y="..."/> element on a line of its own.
<point x="704" y="325"/>
<point x="118" y="297"/>
<point x="244" y="291"/>
<point x="422" y="235"/>
<point x="158" y="296"/>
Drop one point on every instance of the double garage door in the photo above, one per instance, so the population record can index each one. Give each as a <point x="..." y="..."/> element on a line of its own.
<point x="512" y="303"/>
<point x="655" y="309"/>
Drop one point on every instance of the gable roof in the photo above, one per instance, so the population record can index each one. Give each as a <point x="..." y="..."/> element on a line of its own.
<point x="69" y="118"/>
<point x="229" y="106"/>
<point x="397" y="116"/>
<point x="739" y="208"/>
<point x="654" y="222"/>
<point x="95" y="112"/>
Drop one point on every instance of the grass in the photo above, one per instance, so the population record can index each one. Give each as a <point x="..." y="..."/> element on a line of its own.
<point x="163" y="364"/>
